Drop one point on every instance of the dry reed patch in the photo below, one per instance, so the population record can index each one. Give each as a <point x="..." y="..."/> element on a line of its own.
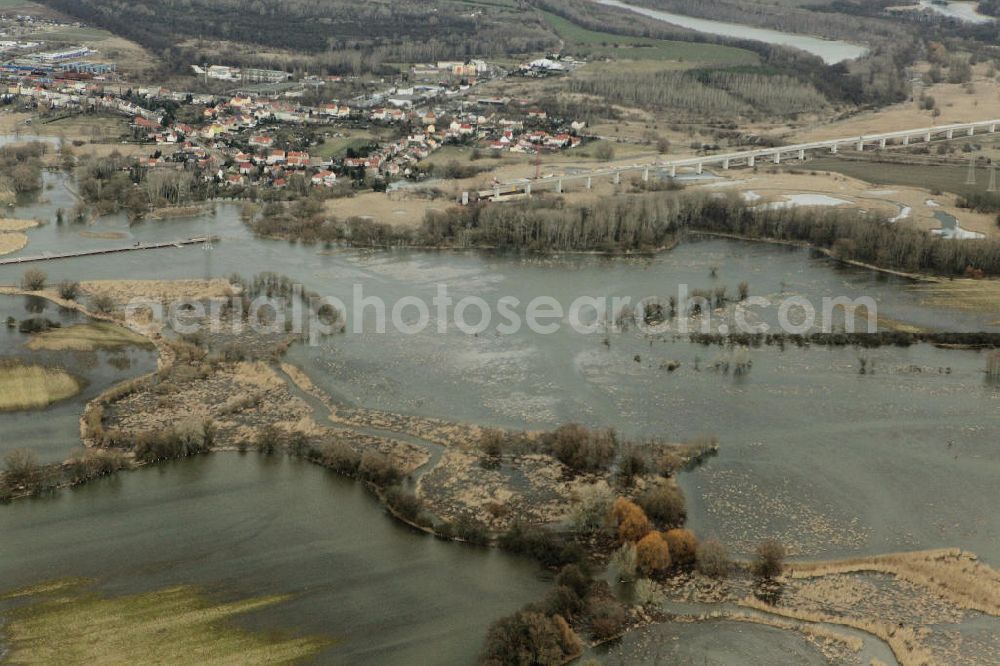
<point x="300" y="379"/>
<point x="12" y="242"/>
<point x="87" y="337"/>
<point x="257" y="374"/>
<point x="432" y="430"/>
<point x="241" y="399"/>
<point x="951" y="573"/>
<point x="105" y="235"/>
<point x="25" y="386"/>
<point x="169" y="212"/>
<point x="124" y="290"/>
<point x="904" y="641"/>
<point x="534" y="488"/>
<point x="8" y="224"/>
<point x="818" y="632"/>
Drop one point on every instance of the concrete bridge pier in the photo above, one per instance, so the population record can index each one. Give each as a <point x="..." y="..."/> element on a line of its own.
<point x="673" y="170"/>
<point x="496" y="192"/>
<point x="645" y="175"/>
<point x="590" y="182"/>
<point x="972" y="130"/>
<point x="725" y="164"/>
<point x="776" y="157"/>
<point x="559" y="185"/>
<point x="834" y="148"/>
<point x="881" y="144"/>
<point x="618" y="177"/>
<point x="802" y="154"/>
<point x="527" y="189"/>
<point x="861" y="146"/>
<point x="927" y="139"/>
<point x="950" y="134"/>
<point x="993" y="128"/>
<point x="906" y="140"/>
<point x="700" y="168"/>
<point x="751" y="161"/>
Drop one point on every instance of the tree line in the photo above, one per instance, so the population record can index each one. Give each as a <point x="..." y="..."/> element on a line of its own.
<point x="401" y="31"/>
<point x="737" y="91"/>
<point x="643" y="222"/>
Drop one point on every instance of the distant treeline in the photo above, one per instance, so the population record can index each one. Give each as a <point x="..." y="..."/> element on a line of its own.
<point x="742" y="91"/>
<point x="349" y="32"/>
<point x="645" y="222"/>
<point x="852" y="235"/>
<point x="989" y="7"/>
<point x="843" y="339"/>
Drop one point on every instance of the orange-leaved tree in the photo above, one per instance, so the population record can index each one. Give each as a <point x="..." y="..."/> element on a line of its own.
<point x="631" y="520"/>
<point x="652" y="554"/>
<point x="683" y="545"/>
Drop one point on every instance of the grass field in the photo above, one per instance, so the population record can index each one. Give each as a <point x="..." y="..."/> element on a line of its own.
<point x="65" y="35"/>
<point x="337" y="147"/>
<point x="934" y="178"/>
<point x="86" y="337"/>
<point x="69" y="625"/>
<point x="33" y="386"/>
<point x="602" y="44"/>
<point x="87" y="127"/>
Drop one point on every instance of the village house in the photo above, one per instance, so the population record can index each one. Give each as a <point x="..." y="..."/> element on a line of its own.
<point x="324" y="178"/>
<point x="297" y="160"/>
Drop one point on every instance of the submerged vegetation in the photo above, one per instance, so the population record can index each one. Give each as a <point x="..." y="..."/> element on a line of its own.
<point x="21" y="168"/>
<point x="65" y="623"/>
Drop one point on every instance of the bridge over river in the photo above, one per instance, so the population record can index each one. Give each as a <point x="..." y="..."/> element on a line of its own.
<point x="137" y="247"/>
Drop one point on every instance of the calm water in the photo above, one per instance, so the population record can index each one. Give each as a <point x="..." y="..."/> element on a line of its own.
<point x="714" y="644"/>
<point x="53" y="432"/>
<point x="830" y="50"/>
<point x="245" y="526"/>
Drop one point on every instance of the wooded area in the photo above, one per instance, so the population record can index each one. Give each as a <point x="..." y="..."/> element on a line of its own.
<point x="353" y="36"/>
<point x="746" y="91"/>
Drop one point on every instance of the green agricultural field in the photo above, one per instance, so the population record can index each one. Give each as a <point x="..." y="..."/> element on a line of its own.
<point x="337" y="147"/>
<point x="943" y="178"/>
<point x="582" y="41"/>
<point x="66" y="624"/>
<point x="72" y="35"/>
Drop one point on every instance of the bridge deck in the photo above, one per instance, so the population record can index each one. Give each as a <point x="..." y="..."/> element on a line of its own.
<point x="51" y="256"/>
<point x="776" y="153"/>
